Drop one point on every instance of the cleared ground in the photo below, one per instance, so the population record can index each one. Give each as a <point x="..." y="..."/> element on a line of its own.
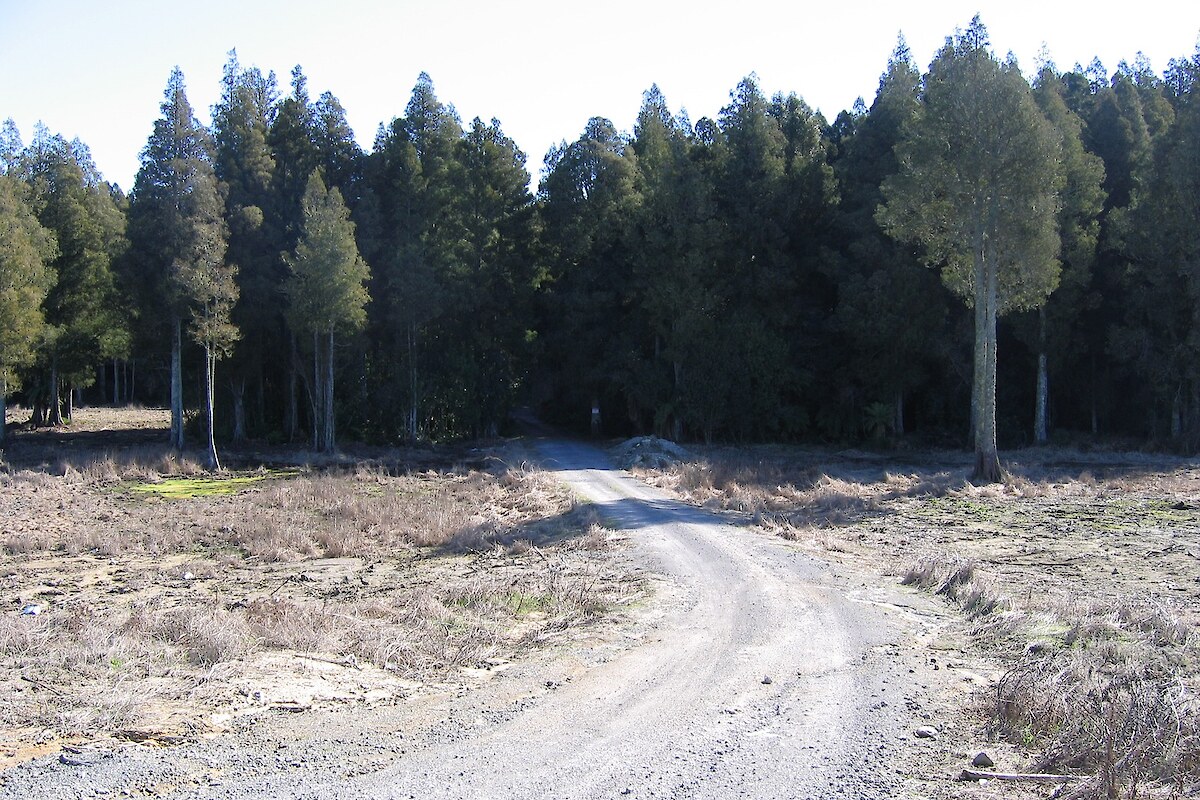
<point x="392" y="625"/>
<point x="146" y="601"/>
<point x="1079" y="577"/>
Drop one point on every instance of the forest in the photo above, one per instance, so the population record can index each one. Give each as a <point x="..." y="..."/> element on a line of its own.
<point x="972" y="257"/>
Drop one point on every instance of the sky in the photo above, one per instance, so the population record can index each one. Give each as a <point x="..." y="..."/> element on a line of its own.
<point x="97" y="70"/>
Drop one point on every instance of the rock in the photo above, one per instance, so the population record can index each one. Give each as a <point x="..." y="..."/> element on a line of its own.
<point x="32" y="610"/>
<point x="767" y="679"/>
<point x="983" y="761"/>
<point x="926" y="732"/>
<point x="650" y="452"/>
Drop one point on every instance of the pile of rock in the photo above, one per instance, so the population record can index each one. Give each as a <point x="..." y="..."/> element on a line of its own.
<point x="649" y="452"/>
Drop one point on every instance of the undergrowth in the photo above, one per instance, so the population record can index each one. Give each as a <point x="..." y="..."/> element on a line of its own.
<point x="1105" y="689"/>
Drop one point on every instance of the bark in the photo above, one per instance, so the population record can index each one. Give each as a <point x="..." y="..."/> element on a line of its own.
<point x="317" y="395"/>
<point x="987" y="460"/>
<point x="1177" y="414"/>
<point x="291" y="421"/>
<point x="70" y="405"/>
<point x="3" y="411"/>
<point x="177" y="385"/>
<point x="56" y="417"/>
<point x="238" y="390"/>
<point x="413" y="414"/>
<point x="328" y="444"/>
<point x="1041" y="428"/>
<point x="131" y="382"/>
<point x="210" y="363"/>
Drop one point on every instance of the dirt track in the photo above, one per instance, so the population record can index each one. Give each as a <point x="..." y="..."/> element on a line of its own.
<point x="752" y="673"/>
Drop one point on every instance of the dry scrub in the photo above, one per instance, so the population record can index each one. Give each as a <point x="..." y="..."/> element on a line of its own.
<point x="167" y="612"/>
<point x="1080" y="574"/>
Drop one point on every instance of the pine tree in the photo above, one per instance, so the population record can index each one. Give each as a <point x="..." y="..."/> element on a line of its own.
<point x="977" y="188"/>
<point x="890" y="312"/>
<point x="1056" y="331"/>
<point x="326" y="293"/>
<point x="178" y="230"/>
<point x="245" y="164"/>
<point x="26" y="248"/>
<point x="586" y="202"/>
<point x="82" y="310"/>
<point x="411" y="174"/>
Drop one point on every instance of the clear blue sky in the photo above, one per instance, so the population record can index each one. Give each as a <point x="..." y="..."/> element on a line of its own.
<point x="96" y="70"/>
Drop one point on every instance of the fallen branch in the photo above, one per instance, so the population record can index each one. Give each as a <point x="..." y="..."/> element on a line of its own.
<point x="1033" y="777"/>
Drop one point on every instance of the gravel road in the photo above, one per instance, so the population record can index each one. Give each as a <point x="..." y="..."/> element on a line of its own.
<point x="752" y="673"/>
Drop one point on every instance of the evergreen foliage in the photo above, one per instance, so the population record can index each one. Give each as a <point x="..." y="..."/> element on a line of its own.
<point x="977" y="189"/>
<point x="326" y="293"/>
<point x="760" y="275"/>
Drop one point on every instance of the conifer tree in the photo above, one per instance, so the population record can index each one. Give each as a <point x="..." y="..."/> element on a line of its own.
<point x="245" y="164"/>
<point x="178" y="231"/>
<point x="890" y="312"/>
<point x="82" y="310"/>
<point x="26" y="248"/>
<point x="326" y="293"/>
<point x="977" y="188"/>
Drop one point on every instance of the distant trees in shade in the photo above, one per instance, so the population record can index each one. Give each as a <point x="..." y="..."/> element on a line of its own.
<point x="765" y="274"/>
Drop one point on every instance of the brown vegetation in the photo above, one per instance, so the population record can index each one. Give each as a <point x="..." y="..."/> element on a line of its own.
<point x="1080" y="575"/>
<point x="168" y="600"/>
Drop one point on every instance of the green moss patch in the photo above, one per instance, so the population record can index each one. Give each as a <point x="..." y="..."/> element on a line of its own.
<point x="187" y="488"/>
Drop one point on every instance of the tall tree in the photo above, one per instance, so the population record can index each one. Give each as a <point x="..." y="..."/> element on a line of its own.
<point x="245" y="164"/>
<point x="890" y="313"/>
<point x="1055" y="332"/>
<point x="490" y="274"/>
<point x="758" y="277"/>
<point x="209" y="284"/>
<point x="977" y="188"/>
<point x="411" y="176"/>
<point x="327" y="293"/>
<point x="177" y="227"/>
<point x="586" y="201"/>
<point x="674" y="275"/>
<point x="26" y="248"/>
<point x="82" y="309"/>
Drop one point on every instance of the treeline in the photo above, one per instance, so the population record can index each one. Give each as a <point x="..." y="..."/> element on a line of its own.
<point x="728" y="279"/>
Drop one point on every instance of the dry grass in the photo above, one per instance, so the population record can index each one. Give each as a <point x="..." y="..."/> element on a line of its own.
<point x="154" y="605"/>
<point x="1078" y="574"/>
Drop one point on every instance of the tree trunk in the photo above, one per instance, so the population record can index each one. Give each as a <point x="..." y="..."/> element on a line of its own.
<point x="210" y="372"/>
<point x="3" y="411"/>
<point x="898" y="425"/>
<point x="412" y="380"/>
<point x="131" y="382"/>
<point x="1177" y="414"/>
<point x="329" y="420"/>
<point x="1041" y="427"/>
<point x="238" y="389"/>
<point x="70" y="404"/>
<point x="317" y="396"/>
<point x="56" y="417"/>
<point x="291" y="421"/>
<point x="116" y="382"/>
<point x="987" y="460"/>
<point x="177" y="385"/>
